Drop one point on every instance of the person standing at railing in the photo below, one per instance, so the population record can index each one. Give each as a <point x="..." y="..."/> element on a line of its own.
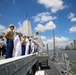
<point x="32" y="47"/>
<point x="17" y="44"/>
<point x="9" y="35"/>
<point x="36" y="47"/>
<point x="23" y="45"/>
<point x="27" y="46"/>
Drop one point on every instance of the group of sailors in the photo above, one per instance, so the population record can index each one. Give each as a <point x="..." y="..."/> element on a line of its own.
<point x="22" y="45"/>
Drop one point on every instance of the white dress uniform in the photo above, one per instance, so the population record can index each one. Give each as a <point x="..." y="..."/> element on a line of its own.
<point x="33" y="47"/>
<point x="27" y="46"/>
<point x="17" y="44"/>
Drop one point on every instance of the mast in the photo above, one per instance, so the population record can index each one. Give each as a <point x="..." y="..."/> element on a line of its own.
<point x="27" y="21"/>
<point x="54" y="42"/>
<point x="47" y="47"/>
<point x="26" y="16"/>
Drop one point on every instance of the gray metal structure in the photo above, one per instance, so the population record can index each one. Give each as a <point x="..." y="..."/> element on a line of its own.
<point x="17" y="66"/>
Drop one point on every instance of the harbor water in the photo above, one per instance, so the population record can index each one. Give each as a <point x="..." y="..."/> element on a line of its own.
<point x="70" y="53"/>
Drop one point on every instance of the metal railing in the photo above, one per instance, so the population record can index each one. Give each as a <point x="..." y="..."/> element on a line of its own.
<point x="65" y="66"/>
<point x="17" y="65"/>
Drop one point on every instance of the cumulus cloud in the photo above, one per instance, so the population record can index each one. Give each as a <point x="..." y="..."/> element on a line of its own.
<point x="72" y="17"/>
<point x="59" y="42"/>
<point x="72" y="29"/>
<point x="55" y="5"/>
<point x="43" y="17"/>
<point x="2" y="28"/>
<point x="19" y="29"/>
<point x="43" y="37"/>
<point x="40" y="28"/>
<point x="48" y="26"/>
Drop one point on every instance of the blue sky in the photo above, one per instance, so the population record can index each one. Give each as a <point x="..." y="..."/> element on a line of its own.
<point x="44" y="15"/>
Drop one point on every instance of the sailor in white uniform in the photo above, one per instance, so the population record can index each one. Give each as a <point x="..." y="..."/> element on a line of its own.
<point x="32" y="47"/>
<point x="27" y="46"/>
<point x="17" y="45"/>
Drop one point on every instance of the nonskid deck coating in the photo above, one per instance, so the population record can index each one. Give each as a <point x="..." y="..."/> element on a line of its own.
<point x="51" y="69"/>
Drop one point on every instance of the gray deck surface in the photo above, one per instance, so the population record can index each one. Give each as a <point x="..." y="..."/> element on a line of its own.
<point x="51" y="69"/>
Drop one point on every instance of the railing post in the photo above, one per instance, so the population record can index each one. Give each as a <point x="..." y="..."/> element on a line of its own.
<point x="67" y="63"/>
<point x="62" y="59"/>
<point x="57" y="56"/>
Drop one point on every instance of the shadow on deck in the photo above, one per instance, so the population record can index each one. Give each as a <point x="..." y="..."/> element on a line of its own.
<point x="50" y="69"/>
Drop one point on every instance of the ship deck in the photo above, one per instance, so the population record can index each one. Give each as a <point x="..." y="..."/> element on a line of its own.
<point x="51" y="69"/>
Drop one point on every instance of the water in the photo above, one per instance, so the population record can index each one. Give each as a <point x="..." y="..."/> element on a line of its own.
<point x="70" y="53"/>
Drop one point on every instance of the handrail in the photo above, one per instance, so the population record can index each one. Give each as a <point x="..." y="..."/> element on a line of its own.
<point x="3" y="61"/>
<point x="65" y="64"/>
<point x="17" y="65"/>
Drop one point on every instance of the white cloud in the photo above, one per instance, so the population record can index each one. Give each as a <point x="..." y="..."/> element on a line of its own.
<point x="55" y="5"/>
<point x="43" y="17"/>
<point x="43" y="37"/>
<point x="48" y="26"/>
<point x="19" y="29"/>
<point x="72" y="17"/>
<point x="40" y="28"/>
<point x="59" y="42"/>
<point x="2" y="28"/>
<point x="72" y="29"/>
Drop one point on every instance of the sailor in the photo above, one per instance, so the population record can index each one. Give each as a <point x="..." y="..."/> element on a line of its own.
<point x="36" y="47"/>
<point x="27" y="46"/>
<point x="33" y="47"/>
<point x="9" y="35"/>
<point x="23" y="45"/>
<point x="17" y="44"/>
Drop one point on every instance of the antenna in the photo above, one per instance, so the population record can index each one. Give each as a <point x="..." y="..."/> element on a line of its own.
<point x="26" y="15"/>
